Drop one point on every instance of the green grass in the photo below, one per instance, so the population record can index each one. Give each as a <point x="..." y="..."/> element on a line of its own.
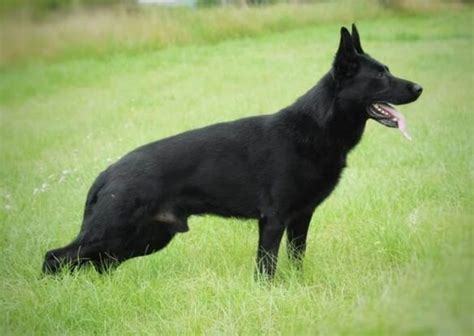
<point x="390" y="252"/>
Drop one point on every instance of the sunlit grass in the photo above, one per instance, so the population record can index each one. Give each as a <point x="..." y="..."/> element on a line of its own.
<point x="390" y="252"/>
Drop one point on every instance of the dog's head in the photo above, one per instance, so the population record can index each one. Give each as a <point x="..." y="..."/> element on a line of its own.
<point x="364" y="81"/>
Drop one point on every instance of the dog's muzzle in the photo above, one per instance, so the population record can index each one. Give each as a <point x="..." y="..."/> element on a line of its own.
<point x="388" y="115"/>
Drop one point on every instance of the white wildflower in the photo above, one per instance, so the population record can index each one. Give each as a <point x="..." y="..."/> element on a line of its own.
<point x="41" y="189"/>
<point x="413" y="219"/>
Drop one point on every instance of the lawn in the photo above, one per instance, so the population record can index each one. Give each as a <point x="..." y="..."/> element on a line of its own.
<point x="390" y="252"/>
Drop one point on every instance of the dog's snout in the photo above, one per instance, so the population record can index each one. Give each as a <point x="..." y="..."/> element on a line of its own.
<point x="417" y="89"/>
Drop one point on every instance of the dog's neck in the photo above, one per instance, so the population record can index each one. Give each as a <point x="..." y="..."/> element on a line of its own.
<point x="320" y="117"/>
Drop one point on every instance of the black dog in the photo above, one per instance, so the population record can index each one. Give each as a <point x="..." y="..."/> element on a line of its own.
<point x="276" y="168"/>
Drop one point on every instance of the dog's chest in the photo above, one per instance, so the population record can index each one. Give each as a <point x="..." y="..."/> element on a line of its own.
<point x="319" y="179"/>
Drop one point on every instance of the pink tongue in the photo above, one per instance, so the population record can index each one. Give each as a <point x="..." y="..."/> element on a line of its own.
<point x="402" y="126"/>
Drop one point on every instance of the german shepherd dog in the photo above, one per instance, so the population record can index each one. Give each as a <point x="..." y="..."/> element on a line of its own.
<point x="274" y="168"/>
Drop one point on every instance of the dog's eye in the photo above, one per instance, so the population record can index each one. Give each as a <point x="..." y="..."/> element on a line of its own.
<point x="381" y="74"/>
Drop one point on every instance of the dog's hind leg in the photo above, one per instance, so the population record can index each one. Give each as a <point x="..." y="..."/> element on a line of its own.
<point x="297" y="231"/>
<point x="108" y="249"/>
<point x="81" y="252"/>
<point x="270" y="234"/>
<point x="149" y="237"/>
<point x="67" y="256"/>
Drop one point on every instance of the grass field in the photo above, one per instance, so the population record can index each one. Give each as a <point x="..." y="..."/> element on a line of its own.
<point x="390" y="252"/>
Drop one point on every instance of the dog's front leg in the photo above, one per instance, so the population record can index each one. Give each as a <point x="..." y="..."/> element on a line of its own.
<point x="270" y="234"/>
<point x="296" y="231"/>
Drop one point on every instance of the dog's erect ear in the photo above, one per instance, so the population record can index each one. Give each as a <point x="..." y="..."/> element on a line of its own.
<point x="345" y="63"/>
<point x="346" y="46"/>
<point x="356" y="39"/>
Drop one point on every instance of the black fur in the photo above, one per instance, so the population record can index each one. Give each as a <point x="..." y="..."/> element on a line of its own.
<point x="276" y="168"/>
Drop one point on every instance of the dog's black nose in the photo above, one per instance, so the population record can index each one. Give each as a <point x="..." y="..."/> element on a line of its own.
<point x="417" y="89"/>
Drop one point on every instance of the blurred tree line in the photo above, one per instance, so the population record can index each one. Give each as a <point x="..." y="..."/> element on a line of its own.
<point x="44" y="6"/>
<point x="51" y="5"/>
